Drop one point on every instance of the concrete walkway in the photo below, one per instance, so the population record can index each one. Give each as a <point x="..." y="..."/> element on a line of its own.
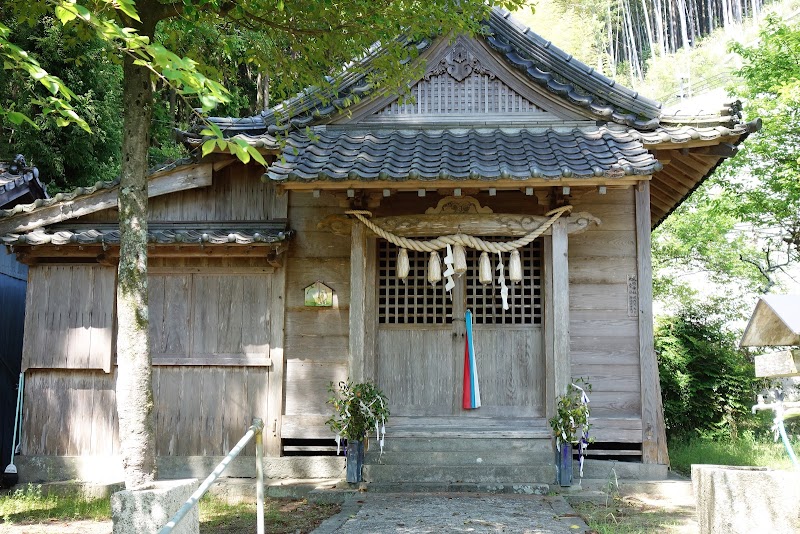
<point x="453" y="512"/>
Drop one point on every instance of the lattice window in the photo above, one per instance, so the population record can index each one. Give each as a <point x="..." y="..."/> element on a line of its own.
<point x="524" y="298"/>
<point x="414" y="301"/>
<point x="417" y="302"/>
<point x="478" y="93"/>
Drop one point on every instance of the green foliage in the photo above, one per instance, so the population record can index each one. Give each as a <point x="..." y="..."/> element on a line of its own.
<point x="571" y="420"/>
<point x="702" y="237"/>
<point x="747" y="449"/>
<point x="66" y="156"/>
<point x="764" y="178"/>
<point x="357" y="409"/>
<point x="707" y="382"/>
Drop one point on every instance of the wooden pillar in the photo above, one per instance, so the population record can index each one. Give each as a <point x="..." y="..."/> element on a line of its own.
<point x="557" y="351"/>
<point x="370" y="313"/>
<point x="278" y="209"/>
<point x="654" y="442"/>
<point x="358" y="288"/>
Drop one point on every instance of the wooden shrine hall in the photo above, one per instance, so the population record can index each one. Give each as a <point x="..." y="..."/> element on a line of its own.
<point x="553" y="176"/>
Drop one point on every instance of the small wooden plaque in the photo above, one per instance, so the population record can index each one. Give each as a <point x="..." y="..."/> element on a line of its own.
<point x="318" y="295"/>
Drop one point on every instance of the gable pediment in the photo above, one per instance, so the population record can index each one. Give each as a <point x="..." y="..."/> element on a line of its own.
<point x="464" y="78"/>
<point x="461" y="83"/>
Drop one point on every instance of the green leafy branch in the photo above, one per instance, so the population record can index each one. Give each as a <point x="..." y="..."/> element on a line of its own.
<point x="357" y="407"/>
<point x="571" y="420"/>
<point x="56" y="103"/>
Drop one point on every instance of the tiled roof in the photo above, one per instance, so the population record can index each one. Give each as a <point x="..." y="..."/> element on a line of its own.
<point x="544" y="63"/>
<point x="559" y="72"/>
<point x="478" y="154"/>
<point x="108" y="234"/>
<point x="81" y="192"/>
<point x="687" y="133"/>
<point x="17" y="178"/>
<point x="59" y="197"/>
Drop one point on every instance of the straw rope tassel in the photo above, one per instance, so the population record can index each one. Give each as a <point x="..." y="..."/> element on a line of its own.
<point x="402" y="264"/>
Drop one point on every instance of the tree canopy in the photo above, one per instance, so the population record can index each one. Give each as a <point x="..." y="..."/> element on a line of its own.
<point x="764" y="178"/>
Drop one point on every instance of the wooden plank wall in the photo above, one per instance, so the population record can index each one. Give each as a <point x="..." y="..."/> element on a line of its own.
<point x="209" y="315"/>
<point x="604" y="330"/>
<point x="316" y="339"/>
<point x="198" y="410"/>
<point x="70" y="413"/>
<point x="213" y="308"/>
<point x="69" y="317"/>
<point x="206" y="410"/>
<point x="236" y="194"/>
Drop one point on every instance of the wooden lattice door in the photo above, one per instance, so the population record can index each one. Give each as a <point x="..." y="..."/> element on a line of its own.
<point x="420" y="339"/>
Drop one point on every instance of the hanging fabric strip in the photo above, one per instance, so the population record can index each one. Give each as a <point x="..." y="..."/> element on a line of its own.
<point x="501" y="280"/>
<point x="583" y="443"/>
<point x="466" y="397"/>
<point x="449" y="271"/>
<point x="475" y="389"/>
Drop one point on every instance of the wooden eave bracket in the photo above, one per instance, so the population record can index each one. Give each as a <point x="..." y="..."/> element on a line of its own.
<point x="360" y="186"/>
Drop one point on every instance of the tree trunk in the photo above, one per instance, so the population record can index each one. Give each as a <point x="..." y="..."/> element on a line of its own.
<point x="134" y="379"/>
<point x="262" y="91"/>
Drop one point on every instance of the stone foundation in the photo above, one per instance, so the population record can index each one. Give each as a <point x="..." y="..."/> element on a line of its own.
<point x="744" y="500"/>
<point x="147" y="511"/>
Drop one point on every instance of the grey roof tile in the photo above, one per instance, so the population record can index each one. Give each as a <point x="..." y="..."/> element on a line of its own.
<point x="106" y="234"/>
<point x="486" y="154"/>
<point x="80" y="192"/>
<point x="17" y="179"/>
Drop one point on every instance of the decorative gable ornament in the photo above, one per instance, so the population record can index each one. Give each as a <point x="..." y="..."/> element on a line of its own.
<point x="459" y="63"/>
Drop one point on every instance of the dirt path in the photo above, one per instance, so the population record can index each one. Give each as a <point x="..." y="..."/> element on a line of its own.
<point x="59" y="527"/>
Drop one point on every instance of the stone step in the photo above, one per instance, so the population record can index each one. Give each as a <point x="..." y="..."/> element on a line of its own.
<point x="483" y="474"/>
<point x="433" y="444"/>
<point x="467" y="458"/>
<point x="519" y="488"/>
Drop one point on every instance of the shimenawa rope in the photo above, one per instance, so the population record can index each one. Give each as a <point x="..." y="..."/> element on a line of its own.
<point x="459" y="239"/>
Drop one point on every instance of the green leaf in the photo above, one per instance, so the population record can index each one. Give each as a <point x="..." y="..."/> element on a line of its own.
<point x="208" y="147"/>
<point x="64" y="15"/>
<point x="16" y="117"/>
<point x="129" y="8"/>
<point x="253" y="151"/>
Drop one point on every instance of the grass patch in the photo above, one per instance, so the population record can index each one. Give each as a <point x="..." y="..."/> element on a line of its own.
<point x="29" y="504"/>
<point x="280" y="516"/>
<point x="626" y="517"/>
<point x="741" y="451"/>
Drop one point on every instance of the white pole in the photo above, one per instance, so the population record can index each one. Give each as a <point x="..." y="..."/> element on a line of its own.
<point x="17" y="418"/>
<point x="255" y="429"/>
<point x="259" y="477"/>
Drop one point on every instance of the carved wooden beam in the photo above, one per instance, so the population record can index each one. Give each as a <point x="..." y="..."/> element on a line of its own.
<point x="485" y="224"/>
<point x="490" y="224"/>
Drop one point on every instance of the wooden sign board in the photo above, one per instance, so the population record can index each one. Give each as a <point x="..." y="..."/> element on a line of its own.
<point x="778" y="364"/>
